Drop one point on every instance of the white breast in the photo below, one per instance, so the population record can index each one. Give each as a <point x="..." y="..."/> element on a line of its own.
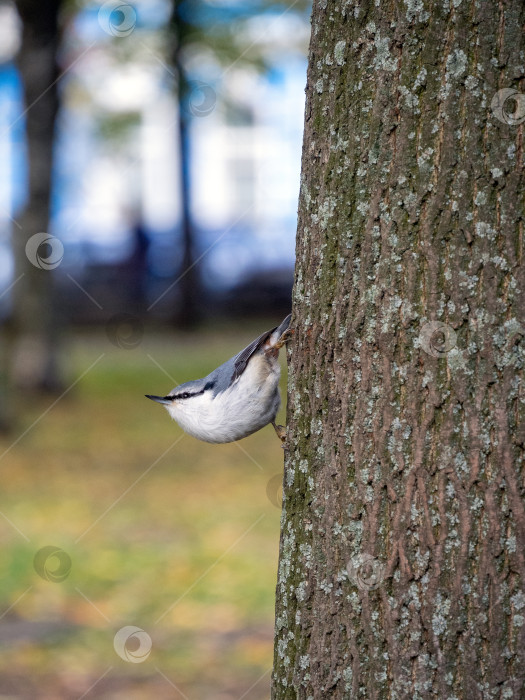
<point x="248" y="405"/>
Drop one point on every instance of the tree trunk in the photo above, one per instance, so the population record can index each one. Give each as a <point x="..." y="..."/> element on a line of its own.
<point x="401" y="569"/>
<point x="189" y="279"/>
<point x="35" y="318"/>
<point x="188" y="313"/>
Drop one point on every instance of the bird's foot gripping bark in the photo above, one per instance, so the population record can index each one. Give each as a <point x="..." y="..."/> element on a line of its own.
<point x="281" y="433"/>
<point x="285" y="337"/>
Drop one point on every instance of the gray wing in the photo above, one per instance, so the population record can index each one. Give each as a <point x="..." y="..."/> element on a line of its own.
<point x="241" y="360"/>
<point x="231" y="370"/>
<point x="226" y="374"/>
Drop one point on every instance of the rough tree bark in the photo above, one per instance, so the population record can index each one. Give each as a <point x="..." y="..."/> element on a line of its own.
<point x="402" y="554"/>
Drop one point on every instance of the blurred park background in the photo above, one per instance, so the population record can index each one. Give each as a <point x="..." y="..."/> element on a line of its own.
<point x="149" y="173"/>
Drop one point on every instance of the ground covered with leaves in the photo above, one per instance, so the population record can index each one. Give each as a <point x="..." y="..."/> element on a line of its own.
<point x="152" y="529"/>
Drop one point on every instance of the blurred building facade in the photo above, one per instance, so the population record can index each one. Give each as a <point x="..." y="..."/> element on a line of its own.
<point x="116" y="203"/>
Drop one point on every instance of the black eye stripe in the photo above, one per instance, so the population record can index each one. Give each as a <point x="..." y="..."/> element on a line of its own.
<point x="187" y="394"/>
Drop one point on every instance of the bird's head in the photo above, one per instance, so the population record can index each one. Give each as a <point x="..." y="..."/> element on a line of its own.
<point x="186" y="398"/>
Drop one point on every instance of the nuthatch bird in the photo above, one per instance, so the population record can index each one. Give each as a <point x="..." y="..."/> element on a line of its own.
<point x="236" y="399"/>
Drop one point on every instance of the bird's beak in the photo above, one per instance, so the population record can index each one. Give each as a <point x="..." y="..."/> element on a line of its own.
<point x="166" y="400"/>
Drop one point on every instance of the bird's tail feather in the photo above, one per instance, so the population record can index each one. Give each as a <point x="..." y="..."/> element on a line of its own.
<point x="284" y="326"/>
<point x="278" y="332"/>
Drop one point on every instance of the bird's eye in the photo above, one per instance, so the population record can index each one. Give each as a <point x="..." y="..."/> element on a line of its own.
<point x="185" y="395"/>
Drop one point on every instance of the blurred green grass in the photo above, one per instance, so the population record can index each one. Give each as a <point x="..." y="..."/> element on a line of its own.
<point x="164" y="532"/>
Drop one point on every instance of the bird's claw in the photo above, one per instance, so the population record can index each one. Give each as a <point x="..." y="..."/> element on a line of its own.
<point x="285" y="337"/>
<point x="281" y="433"/>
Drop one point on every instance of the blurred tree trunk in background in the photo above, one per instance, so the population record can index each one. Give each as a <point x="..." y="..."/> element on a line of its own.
<point x="5" y="403"/>
<point x="402" y="555"/>
<point x="35" y="319"/>
<point x="189" y="282"/>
